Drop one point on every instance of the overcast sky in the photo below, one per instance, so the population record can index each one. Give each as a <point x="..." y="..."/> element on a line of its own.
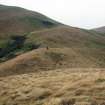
<point x="78" y="13"/>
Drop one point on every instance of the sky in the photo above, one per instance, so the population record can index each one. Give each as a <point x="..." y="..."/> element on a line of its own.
<point x="77" y="13"/>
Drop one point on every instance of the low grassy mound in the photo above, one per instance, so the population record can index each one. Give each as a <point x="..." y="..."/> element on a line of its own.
<point x="53" y="58"/>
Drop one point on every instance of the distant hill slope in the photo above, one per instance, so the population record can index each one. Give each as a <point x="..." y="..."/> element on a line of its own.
<point x="57" y="37"/>
<point x="100" y="29"/>
<point x="16" y="20"/>
<point x="65" y="36"/>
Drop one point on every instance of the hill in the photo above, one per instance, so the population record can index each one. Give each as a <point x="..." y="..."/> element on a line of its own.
<point x="16" y="20"/>
<point x="15" y="24"/>
<point x="66" y="36"/>
<point x="100" y="29"/>
<point x="41" y="32"/>
<point x="56" y="37"/>
<point x="60" y="47"/>
<point x="23" y="30"/>
<point x="44" y="59"/>
<point x="43" y="62"/>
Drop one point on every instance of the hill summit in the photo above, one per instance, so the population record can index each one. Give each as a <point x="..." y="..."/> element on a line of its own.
<point x="16" y="20"/>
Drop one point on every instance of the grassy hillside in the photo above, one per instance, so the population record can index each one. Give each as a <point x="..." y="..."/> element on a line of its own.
<point x="47" y="63"/>
<point x="22" y="30"/>
<point x="100" y="30"/>
<point x="15" y="24"/>
<point x="57" y="37"/>
<point x="65" y="36"/>
<point x="15" y="20"/>
<point x="60" y="47"/>
<point x="54" y="58"/>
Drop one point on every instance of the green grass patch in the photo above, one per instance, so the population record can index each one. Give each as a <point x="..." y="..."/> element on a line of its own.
<point x="15" y="45"/>
<point x="100" y="80"/>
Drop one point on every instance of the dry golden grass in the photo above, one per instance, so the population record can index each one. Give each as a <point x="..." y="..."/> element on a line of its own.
<point x="54" y="58"/>
<point x="55" y="87"/>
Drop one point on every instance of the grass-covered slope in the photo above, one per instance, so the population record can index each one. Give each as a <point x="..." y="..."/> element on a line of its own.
<point x="65" y="36"/>
<point x="65" y="67"/>
<point x="57" y="37"/>
<point x="44" y="59"/>
<point x="100" y="29"/>
<point x="16" y="20"/>
<point x="15" y="24"/>
<point x="22" y="30"/>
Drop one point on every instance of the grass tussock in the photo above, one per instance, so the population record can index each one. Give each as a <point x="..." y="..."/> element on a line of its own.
<point x="99" y="80"/>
